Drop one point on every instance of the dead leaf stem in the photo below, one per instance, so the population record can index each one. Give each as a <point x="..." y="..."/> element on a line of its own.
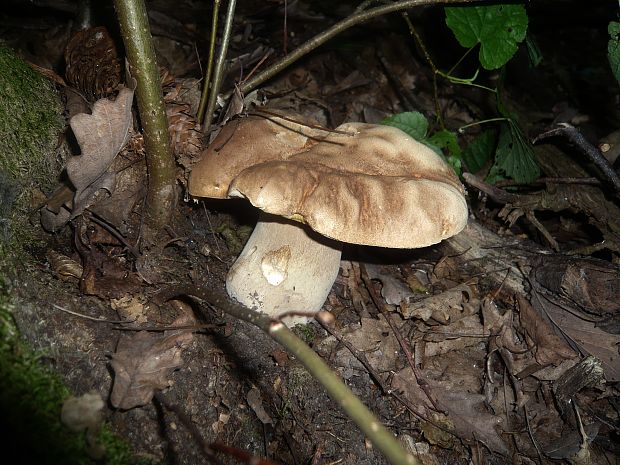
<point x="207" y="80"/>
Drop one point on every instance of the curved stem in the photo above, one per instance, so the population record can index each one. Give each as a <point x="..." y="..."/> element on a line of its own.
<point x="478" y="123"/>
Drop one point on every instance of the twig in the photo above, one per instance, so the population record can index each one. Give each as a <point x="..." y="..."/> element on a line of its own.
<point x="357" y="18"/>
<point x="525" y="204"/>
<point x="114" y="231"/>
<point x="219" y="66"/>
<point x="401" y="341"/>
<point x="381" y="438"/>
<point x="531" y="435"/>
<point x="87" y="317"/>
<point x="431" y="63"/>
<point x="207" y="81"/>
<point x="592" y="152"/>
<point x="549" y="180"/>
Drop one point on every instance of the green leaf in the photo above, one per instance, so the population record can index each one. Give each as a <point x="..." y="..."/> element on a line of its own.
<point x="497" y="28"/>
<point x="445" y="139"/>
<point x="477" y="154"/>
<point x="613" y="49"/>
<point x="413" y="123"/>
<point x="515" y="155"/>
<point x="455" y="163"/>
<point x="495" y="175"/>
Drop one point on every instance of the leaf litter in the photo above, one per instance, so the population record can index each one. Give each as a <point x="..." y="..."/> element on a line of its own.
<point x="481" y="356"/>
<point x="144" y="361"/>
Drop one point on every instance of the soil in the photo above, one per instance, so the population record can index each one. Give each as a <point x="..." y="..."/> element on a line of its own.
<point x="235" y="388"/>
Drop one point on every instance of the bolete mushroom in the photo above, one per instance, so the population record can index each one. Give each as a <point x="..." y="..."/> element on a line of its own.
<point x="366" y="184"/>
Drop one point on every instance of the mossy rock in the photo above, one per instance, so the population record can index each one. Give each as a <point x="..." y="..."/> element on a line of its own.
<point x="31" y="122"/>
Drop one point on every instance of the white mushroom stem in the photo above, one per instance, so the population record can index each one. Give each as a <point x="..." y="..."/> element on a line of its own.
<point x="284" y="267"/>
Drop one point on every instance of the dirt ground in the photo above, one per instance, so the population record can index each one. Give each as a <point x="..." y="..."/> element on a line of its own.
<point x="480" y="346"/>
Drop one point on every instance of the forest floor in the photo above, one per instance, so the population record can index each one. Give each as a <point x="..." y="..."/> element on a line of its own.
<point x="518" y="380"/>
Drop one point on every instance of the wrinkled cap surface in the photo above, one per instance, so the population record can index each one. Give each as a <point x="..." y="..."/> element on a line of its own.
<point x="242" y="143"/>
<point x="376" y="186"/>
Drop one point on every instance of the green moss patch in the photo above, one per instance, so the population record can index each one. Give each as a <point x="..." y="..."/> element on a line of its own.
<point x="31" y="122"/>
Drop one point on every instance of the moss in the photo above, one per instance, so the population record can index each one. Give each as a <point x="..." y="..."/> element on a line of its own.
<point x="306" y="332"/>
<point x="31" y="398"/>
<point x="31" y="122"/>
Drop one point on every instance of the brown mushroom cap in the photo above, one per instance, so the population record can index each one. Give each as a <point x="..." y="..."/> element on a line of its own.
<point x="377" y="186"/>
<point x="242" y="143"/>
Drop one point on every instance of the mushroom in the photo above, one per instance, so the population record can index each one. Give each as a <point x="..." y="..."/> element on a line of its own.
<point x="365" y="184"/>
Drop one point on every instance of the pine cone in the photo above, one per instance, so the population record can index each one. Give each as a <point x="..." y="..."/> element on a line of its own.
<point x="92" y="64"/>
<point x="184" y="132"/>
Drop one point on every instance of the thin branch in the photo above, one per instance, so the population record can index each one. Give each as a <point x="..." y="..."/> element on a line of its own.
<point x="207" y="81"/>
<point x="381" y="438"/>
<point x="592" y="152"/>
<point x="220" y="64"/>
<point x="318" y="40"/>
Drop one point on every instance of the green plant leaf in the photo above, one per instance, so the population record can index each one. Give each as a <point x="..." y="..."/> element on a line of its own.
<point x="515" y="155"/>
<point x="445" y="139"/>
<point x="613" y="49"/>
<point x="497" y="28"/>
<point x="480" y="151"/>
<point x="495" y="175"/>
<point x="413" y="123"/>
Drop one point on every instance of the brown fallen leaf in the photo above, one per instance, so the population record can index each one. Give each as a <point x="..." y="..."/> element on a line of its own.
<point x="375" y="338"/>
<point x="549" y="349"/>
<point x="143" y="363"/>
<point x="255" y="402"/>
<point x="101" y="136"/>
<point x="446" y="307"/>
<point x="471" y="419"/>
<point x="393" y="289"/>
<point x="589" y="339"/>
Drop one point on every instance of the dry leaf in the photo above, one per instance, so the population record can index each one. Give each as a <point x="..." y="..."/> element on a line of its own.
<point x="255" y="402"/>
<point x="131" y="308"/>
<point x="587" y="337"/>
<point x="64" y="267"/>
<point x="549" y="348"/>
<point x="465" y="410"/>
<point x="466" y="332"/>
<point x="143" y="362"/>
<point x="376" y="340"/>
<point x="394" y="290"/>
<point x="101" y="136"/>
<point x="443" y="308"/>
